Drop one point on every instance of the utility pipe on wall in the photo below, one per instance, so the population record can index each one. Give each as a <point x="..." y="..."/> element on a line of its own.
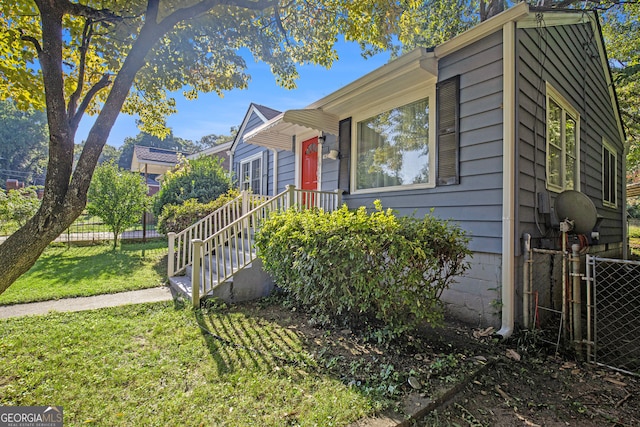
<point x="526" y="280"/>
<point x="576" y="298"/>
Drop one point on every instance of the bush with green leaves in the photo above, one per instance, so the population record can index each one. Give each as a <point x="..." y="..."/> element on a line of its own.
<point x="118" y="197"/>
<point x="175" y="218"/>
<point x="203" y="179"/>
<point x="375" y="271"/>
<point x="17" y="206"/>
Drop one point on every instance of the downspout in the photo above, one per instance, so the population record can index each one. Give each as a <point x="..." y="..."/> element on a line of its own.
<point x="508" y="176"/>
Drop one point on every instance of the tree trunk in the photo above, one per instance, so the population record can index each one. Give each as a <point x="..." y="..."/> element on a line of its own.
<point x="490" y="8"/>
<point x="22" y="249"/>
<point x="65" y="194"/>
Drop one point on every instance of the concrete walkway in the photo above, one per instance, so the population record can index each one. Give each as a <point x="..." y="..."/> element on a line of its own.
<point x="87" y="303"/>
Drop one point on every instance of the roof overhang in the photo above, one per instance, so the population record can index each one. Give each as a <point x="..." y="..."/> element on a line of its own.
<point x="278" y="132"/>
<point x="150" y="166"/>
<point x="633" y="190"/>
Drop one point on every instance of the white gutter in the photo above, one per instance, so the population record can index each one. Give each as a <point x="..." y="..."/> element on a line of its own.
<point x="508" y="176"/>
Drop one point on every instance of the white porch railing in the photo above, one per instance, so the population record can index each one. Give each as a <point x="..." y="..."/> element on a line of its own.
<point x="217" y="258"/>
<point x="180" y="247"/>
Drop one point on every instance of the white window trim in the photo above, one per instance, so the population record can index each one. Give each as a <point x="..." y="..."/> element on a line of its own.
<point x="565" y="105"/>
<point x="408" y="96"/>
<point x="250" y="160"/>
<point x="606" y="146"/>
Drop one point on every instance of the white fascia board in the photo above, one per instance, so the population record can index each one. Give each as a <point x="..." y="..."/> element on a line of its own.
<point x="554" y="19"/>
<point x="418" y="60"/>
<point x="483" y="29"/>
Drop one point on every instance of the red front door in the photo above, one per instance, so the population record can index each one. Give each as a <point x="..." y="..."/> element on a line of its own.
<point x="310" y="164"/>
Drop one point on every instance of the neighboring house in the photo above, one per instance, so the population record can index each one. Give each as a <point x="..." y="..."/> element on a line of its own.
<point x="220" y="151"/>
<point x="153" y="162"/>
<point x="485" y="129"/>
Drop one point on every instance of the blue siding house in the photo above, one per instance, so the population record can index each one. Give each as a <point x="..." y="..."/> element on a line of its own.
<point x="485" y="129"/>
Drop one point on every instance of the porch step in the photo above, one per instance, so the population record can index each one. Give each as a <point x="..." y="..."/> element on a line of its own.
<point x="247" y="283"/>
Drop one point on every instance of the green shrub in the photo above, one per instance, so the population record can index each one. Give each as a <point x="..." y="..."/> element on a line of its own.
<point x="175" y="218"/>
<point x="378" y="272"/>
<point x="203" y="179"/>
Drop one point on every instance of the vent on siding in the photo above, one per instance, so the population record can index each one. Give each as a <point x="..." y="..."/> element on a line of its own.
<point x="448" y="132"/>
<point x="344" y="146"/>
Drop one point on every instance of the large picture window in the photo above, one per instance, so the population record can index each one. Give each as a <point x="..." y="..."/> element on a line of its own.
<point x="393" y="148"/>
<point x="251" y="174"/>
<point x="609" y="175"/>
<point x="563" y="143"/>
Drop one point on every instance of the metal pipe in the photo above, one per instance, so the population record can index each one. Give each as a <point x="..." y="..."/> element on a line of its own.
<point x="589" y="307"/>
<point x="575" y="296"/>
<point x="526" y="294"/>
<point x="564" y="227"/>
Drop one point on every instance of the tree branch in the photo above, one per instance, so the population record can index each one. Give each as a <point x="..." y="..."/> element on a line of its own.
<point x="77" y="9"/>
<point x="152" y="11"/>
<point x="206" y="5"/>
<point x="87" y="32"/>
<point x="33" y="41"/>
<point x="75" y="118"/>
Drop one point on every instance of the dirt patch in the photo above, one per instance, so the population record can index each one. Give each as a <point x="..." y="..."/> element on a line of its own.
<point x="515" y="386"/>
<point x="543" y="392"/>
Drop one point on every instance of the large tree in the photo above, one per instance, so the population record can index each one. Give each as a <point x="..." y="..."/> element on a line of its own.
<point x="106" y="56"/>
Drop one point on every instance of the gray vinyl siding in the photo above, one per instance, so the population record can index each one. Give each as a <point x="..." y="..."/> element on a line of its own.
<point x="579" y="76"/>
<point x="329" y="181"/>
<point x="244" y="151"/>
<point x="286" y="170"/>
<point x="475" y="203"/>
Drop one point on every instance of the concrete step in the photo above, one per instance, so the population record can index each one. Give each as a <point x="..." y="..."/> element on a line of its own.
<point x="247" y="284"/>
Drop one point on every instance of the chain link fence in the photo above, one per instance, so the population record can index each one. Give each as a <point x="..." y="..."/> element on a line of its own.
<point x="616" y="285"/>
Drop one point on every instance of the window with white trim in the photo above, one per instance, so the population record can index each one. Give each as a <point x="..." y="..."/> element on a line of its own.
<point x="563" y="143"/>
<point x="251" y="174"/>
<point x="394" y="148"/>
<point x="609" y="174"/>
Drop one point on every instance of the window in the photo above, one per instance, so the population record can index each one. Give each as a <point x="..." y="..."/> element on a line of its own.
<point x="394" y="148"/>
<point x="609" y="175"/>
<point x="563" y="144"/>
<point x="251" y="174"/>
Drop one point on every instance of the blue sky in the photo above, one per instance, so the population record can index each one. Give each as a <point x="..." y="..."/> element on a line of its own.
<point x="212" y="114"/>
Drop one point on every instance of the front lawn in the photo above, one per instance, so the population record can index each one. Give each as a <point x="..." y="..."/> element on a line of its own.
<point x="71" y="271"/>
<point x="160" y="365"/>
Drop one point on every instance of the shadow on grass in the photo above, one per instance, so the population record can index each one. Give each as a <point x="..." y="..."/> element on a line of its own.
<point x="239" y="341"/>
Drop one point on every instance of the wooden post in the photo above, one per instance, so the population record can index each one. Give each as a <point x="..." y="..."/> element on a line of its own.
<point x="292" y="196"/>
<point x="198" y="246"/>
<point x="171" y="258"/>
<point x="338" y="198"/>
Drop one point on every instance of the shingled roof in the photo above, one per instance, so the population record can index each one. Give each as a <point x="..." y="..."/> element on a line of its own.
<point x="155" y="160"/>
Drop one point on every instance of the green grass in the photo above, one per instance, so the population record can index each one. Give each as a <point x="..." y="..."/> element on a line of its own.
<point x="634" y="231"/>
<point x="152" y="365"/>
<point x="64" y="271"/>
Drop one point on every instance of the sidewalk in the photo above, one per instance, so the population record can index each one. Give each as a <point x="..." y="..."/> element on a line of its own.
<point x="163" y="293"/>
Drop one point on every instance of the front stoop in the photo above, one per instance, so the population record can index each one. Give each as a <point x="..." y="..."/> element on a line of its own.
<point x="250" y="283"/>
<point x="417" y="405"/>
